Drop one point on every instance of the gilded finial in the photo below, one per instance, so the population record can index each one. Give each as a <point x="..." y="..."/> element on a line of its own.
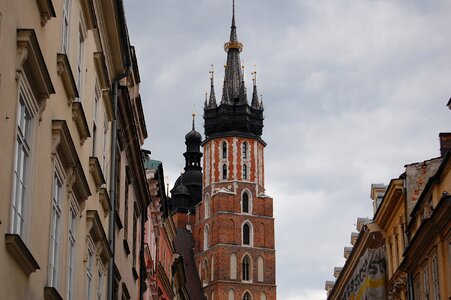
<point x="254" y="75"/>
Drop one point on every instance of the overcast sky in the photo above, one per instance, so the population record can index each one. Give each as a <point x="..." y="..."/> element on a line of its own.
<point x="353" y="90"/>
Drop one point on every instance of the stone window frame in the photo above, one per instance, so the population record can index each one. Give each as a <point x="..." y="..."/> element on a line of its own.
<point x="246" y="271"/>
<point x="251" y="233"/>
<point x="247" y="295"/>
<point x="56" y="224"/>
<point x="249" y="200"/>
<point x="206" y="237"/>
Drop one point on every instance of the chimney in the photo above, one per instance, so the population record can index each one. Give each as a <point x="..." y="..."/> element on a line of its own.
<point x="445" y="142"/>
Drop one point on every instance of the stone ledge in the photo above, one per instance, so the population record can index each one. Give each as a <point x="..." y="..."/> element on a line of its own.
<point x="17" y="248"/>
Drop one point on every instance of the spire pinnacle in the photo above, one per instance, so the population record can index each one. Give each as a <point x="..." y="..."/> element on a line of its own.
<point x="194" y="116"/>
<point x="212" y="102"/>
<point x="255" y="103"/>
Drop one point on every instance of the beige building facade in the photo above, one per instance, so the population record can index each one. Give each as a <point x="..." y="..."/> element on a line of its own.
<point x="411" y="225"/>
<point x="72" y="170"/>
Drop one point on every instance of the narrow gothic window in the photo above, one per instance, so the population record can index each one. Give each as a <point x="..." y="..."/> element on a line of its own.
<point x="247" y="296"/>
<point x="244" y="150"/>
<point x="245" y="203"/>
<point x="206" y="233"/>
<point x="260" y="268"/>
<point x="231" y="294"/>
<point x="224" y="150"/>
<point x="246" y="234"/>
<point x="244" y="172"/>
<point x="224" y="172"/>
<point x="233" y="266"/>
<point x="246" y="269"/>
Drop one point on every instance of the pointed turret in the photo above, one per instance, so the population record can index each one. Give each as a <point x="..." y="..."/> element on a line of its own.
<point x="212" y="101"/>
<point x="255" y="103"/>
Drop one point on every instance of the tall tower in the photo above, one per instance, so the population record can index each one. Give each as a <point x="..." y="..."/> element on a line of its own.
<point x="234" y="229"/>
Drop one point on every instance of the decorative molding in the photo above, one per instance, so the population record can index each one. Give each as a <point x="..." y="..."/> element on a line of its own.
<point x="89" y="14"/>
<point x="65" y="72"/>
<point x="96" y="172"/>
<point x="78" y="115"/>
<point x="29" y="59"/>
<point x="46" y="9"/>
<point x="17" y="248"/>
<point x="97" y="233"/>
<point x="63" y="145"/>
<point x="51" y="293"/>
<point x="104" y="199"/>
<point x="102" y="70"/>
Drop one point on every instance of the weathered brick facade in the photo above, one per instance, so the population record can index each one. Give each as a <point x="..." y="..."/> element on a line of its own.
<point x="222" y="214"/>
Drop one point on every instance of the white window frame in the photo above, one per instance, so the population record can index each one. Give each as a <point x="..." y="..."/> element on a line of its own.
<point x="80" y="57"/>
<point x="251" y="234"/>
<point x="100" y="280"/>
<point x="435" y="278"/>
<point x="72" y="239"/>
<point x="249" y="270"/>
<point x="90" y="260"/>
<point x="65" y="32"/>
<point x="23" y="157"/>
<point x="58" y="193"/>
<point x="249" y="201"/>
<point x="95" y="118"/>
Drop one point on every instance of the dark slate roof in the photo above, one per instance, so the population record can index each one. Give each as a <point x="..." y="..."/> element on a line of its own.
<point x="184" y="245"/>
<point x="234" y="112"/>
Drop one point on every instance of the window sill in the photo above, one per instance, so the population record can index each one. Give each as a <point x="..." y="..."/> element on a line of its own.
<point x="17" y="248"/>
<point x="50" y="293"/>
<point x="126" y="247"/>
<point x="135" y="273"/>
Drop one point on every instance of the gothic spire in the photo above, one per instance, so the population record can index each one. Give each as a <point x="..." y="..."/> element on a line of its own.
<point x="233" y="75"/>
<point x="212" y="101"/>
<point x="255" y="103"/>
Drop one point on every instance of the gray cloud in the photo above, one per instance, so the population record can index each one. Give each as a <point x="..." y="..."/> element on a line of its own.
<point x="353" y="90"/>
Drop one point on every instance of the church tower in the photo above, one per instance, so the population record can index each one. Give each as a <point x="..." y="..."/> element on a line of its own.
<point x="234" y="226"/>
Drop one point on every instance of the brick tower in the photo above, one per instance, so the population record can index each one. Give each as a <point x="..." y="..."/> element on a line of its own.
<point x="234" y="228"/>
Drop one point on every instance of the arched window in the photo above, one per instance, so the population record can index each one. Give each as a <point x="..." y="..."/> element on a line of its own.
<point x="233" y="266"/>
<point x="247" y="296"/>
<point x="263" y="296"/>
<point x="260" y="268"/>
<point x="207" y="206"/>
<point x="224" y="172"/>
<point x="231" y="294"/>
<point x="245" y="203"/>
<point x="224" y="150"/>
<point x="244" y="149"/>
<point x="246" y="268"/>
<point x="246" y="234"/>
<point x="244" y="172"/>
<point x="205" y="272"/>
<point x="212" y="296"/>
<point x="206" y="235"/>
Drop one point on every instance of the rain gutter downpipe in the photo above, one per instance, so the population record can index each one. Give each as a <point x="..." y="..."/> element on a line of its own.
<point x="113" y="188"/>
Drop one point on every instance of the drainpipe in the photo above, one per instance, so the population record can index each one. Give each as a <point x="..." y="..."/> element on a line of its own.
<point x="142" y="262"/>
<point x="113" y="187"/>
